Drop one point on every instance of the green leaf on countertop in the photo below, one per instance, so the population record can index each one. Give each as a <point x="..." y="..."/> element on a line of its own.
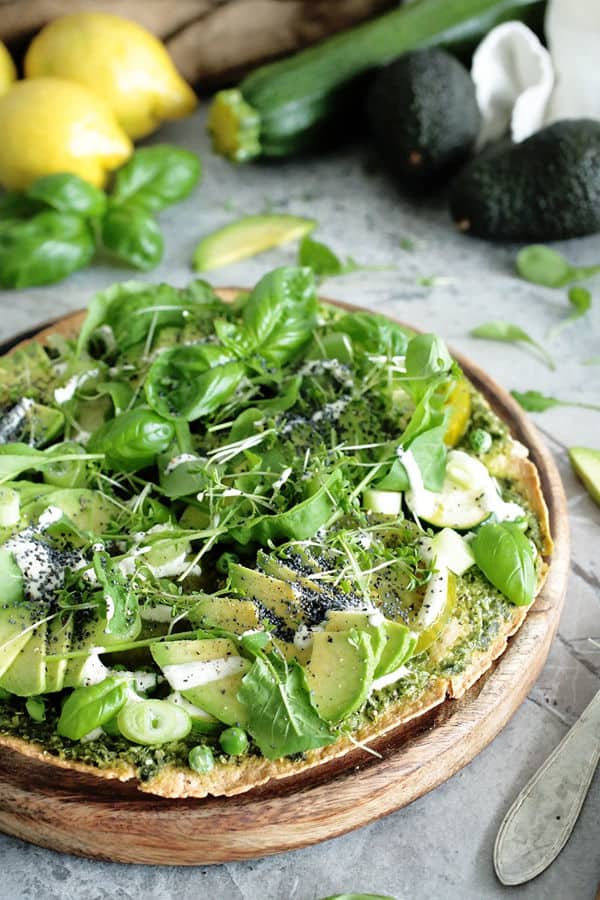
<point x="511" y="334"/>
<point x="534" y="401"/>
<point x="542" y="265"/>
<point x="581" y="300"/>
<point x="327" y="264"/>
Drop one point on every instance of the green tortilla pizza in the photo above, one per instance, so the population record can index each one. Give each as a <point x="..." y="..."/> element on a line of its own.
<point x="238" y="539"/>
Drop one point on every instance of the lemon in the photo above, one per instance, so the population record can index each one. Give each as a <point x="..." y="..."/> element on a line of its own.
<point x="52" y="125"/>
<point x="122" y="62"/>
<point x="8" y="73"/>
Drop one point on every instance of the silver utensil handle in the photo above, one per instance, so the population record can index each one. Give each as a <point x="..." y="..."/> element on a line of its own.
<point x="540" y="821"/>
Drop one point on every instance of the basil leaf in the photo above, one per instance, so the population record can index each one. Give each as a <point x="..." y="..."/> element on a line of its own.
<point x="281" y="718"/>
<point x="280" y="314"/>
<point x="430" y="454"/>
<point x="534" y="401"/>
<point x="133" y="236"/>
<point x="122" y="607"/>
<point x="44" y="249"/>
<point x="190" y="382"/>
<point x="15" y="205"/>
<point x="374" y="334"/>
<point x="156" y="177"/>
<point x="542" y="265"/>
<point x="505" y="557"/>
<point x="427" y="355"/>
<point x="132" y="440"/>
<point x="90" y="707"/>
<point x="69" y="194"/>
<point x="511" y="334"/>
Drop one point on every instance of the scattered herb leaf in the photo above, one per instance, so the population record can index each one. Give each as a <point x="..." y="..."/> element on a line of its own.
<point x="511" y="334"/>
<point x="542" y="265"/>
<point x="534" y="401"/>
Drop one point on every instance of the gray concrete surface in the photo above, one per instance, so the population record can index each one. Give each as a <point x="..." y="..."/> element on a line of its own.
<point x="441" y="846"/>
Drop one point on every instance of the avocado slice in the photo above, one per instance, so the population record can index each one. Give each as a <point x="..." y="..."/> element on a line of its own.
<point x="87" y="631"/>
<point x="88" y="510"/>
<point x="233" y="615"/>
<point x="42" y="424"/>
<point x="26" y="675"/>
<point x="392" y="642"/>
<point x="26" y="372"/>
<point x="218" y="696"/>
<point x="340" y="672"/>
<point x="586" y="463"/>
<point x="272" y="593"/>
<point x="15" y="615"/>
<point x="345" y="619"/>
<point x="247" y="237"/>
<point x="58" y="640"/>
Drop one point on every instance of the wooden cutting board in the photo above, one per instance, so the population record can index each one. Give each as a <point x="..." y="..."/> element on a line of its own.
<point x="80" y="814"/>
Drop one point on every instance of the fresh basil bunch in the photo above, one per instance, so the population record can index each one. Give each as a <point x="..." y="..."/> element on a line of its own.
<point x="60" y="222"/>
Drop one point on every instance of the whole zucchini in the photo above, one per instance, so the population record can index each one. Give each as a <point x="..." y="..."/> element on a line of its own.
<point x="289" y="106"/>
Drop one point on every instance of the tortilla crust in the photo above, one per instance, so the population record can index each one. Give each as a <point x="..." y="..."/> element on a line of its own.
<point x="249" y="772"/>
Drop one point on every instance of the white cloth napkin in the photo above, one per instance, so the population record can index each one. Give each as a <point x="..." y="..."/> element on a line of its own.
<point x="521" y="86"/>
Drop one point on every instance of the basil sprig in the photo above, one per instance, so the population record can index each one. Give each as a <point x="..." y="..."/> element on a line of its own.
<point x="60" y="222"/>
<point x="505" y="556"/>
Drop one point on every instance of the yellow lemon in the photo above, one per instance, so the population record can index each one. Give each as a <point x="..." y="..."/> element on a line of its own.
<point x="53" y="125"/>
<point x="8" y="73"/>
<point x="122" y="62"/>
<point x="459" y="403"/>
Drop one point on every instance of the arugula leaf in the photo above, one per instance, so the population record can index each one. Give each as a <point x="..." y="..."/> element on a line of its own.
<point x="505" y="556"/>
<point x="68" y="193"/>
<point x="510" y="334"/>
<point x="427" y="355"/>
<point x="542" y="265"/>
<point x="581" y="301"/>
<point x="122" y="607"/>
<point x="534" y="401"/>
<point x="281" y="718"/>
<point x="321" y="259"/>
<point x="156" y="177"/>
<point x="16" y="458"/>
<point x="44" y="249"/>
<point x="133" y="236"/>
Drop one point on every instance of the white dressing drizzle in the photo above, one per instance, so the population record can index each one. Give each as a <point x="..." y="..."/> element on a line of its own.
<point x="183" y="676"/>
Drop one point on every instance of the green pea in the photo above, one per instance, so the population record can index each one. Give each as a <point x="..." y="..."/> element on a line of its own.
<point x="234" y="741"/>
<point x="201" y="759"/>
<point x="36" y="708"/>
<point x="481" y="441"/>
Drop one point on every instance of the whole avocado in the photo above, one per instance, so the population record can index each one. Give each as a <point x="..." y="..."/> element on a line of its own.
<point x="546" y="188"/>
<point x="424" y="116"/>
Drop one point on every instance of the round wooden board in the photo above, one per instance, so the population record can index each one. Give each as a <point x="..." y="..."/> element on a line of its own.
<point x="77" y="813"/>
